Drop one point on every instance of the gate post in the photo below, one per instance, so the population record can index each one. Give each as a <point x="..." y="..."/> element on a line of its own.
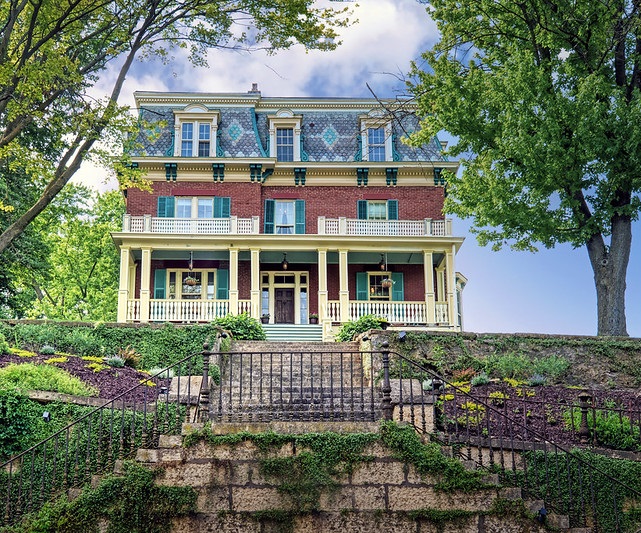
<point x="386" y="388"/>
<point x="204" y="388"/>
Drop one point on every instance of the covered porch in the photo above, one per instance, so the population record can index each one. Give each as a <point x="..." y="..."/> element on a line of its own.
<point x="289" y="279"/>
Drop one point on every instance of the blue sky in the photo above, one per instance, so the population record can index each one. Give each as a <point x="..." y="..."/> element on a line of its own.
<point x="548" y="292"/>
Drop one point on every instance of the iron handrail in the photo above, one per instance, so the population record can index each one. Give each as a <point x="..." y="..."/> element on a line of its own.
<point x="538" y="442"/>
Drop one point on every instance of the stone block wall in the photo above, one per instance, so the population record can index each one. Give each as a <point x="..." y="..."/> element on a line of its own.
<point x="383" y="494"/>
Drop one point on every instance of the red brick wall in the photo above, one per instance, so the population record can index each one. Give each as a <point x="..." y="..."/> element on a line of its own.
<point x="414" y="203"/>
<point x="246" y="197"/>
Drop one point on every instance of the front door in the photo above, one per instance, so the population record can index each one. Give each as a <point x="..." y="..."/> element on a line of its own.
<point x="284" y="306"/>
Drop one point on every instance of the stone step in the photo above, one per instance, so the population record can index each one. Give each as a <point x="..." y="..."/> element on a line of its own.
<point x="277" y="347"/>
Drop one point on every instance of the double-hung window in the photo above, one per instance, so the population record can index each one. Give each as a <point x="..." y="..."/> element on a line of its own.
<point x="377" y="209"/>
<point x="376" y="144"/>
<point x="183" y="207"/>
<point x="285" y="136"/>
<point x="194" y="206"/>
<point x="376" y="138"/>
<point x="189" y="145"/>
<point x="285" y="144"/>
<point x="195" y="132"/>
<point x="284" y="217"/>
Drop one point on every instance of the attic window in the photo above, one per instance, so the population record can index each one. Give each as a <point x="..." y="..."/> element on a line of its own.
<point x="284" y="136"/>
<point x="195" y="130"/>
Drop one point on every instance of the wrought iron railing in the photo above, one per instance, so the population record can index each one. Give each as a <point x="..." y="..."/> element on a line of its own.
<point x="93" y="443"/>
<point x="565" y="478"/>
<point x="295" y="385"/>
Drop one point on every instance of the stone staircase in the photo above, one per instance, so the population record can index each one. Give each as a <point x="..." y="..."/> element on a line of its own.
<point x="268" y="381"/>
<point x="293" y="332"/>
<point x="381" y="494"/>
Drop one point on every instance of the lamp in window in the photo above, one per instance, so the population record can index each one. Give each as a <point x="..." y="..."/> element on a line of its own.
<point x="284" y="264"/>
<point x="381" y="263"/>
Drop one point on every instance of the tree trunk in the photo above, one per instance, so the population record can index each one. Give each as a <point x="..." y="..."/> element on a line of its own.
<point x="610" y="267"/>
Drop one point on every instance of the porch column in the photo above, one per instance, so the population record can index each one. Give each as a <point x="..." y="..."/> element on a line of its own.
<point x="233" y="281"/>
<point x="123" y="287"/>
<point x="145" y="279"/>
<point x="428" y="275"/>
<point x="255" y="282"/>
<point x="322" y="285"/>
<point x="450" y="281"/>
<point x="343" y="285"/>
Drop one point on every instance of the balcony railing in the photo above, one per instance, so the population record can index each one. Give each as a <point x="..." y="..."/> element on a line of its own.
<point x="190" y="226"/>
<point x="383" y="228"/>
<point x="251" y="226"/>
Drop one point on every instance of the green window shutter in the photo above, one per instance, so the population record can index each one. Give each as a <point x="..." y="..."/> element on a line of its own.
<point x="269" y="216"/>
<point x="362" y="209"/>
<point x="362" y="286"/>
<point x="222" y="207"/>
<point x="166" y="206"/>
<point x="300" y="216"/>
<point x="160" y="283"/>
<point x="222" y="284"/>
<point x="398" y="288"/>
<point x="392" y="209"/>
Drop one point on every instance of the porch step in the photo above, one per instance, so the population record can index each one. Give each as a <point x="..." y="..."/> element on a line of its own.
<point x="291" y="346"/>
<point x="293" y="332"/>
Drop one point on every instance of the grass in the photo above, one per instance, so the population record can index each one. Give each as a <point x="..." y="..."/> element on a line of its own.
<point x="27" y="376"/>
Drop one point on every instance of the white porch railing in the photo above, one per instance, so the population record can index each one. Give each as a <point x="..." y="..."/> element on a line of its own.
<point x="195" y="226"/>
<point x="394" y="312"/>
<point x="405" y="312"/>
<point x="401" y="228"/>
<point x="207" y="310"/>
<point x="187" y="310"/>
<point x="184" y="310"/>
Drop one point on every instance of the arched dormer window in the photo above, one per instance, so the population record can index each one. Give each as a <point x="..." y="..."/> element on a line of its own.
<point x="195" y="129"/>
<point x="376" y="136"/>
<point x="284" y="136"/>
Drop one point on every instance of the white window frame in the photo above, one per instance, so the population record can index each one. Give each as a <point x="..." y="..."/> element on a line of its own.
<point x="370" y="122"/>
<point x="284" y="119"/>
<point x="197" y="115"/>
<point x="178" y="293"/>
<point x="290" y="224"/>
<point x="371" y="204"/>
<point x="373" y="287"/>
<point x="194" y="206"/>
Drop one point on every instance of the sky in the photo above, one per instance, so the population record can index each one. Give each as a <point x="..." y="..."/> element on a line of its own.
<point x="551" y="291"/>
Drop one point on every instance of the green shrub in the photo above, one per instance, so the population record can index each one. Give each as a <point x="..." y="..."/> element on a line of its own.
<point x="480" y="379"/>
<point x="4" y="345"/>
<point x="28" y="376"/>
<point x="510" y="365"/>
<point x="552" y="367"/>
<point x="611" y="429"/>
<point x="14" y="423"/>
<point x="352" y="328"/>
<point x="242" y="327"/>
<point x="115" y="361"/>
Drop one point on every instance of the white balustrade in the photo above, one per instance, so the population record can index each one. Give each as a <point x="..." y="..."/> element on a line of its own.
<point x="133" y="310"/>
<point x="404" y="312"/>
<point x="442" y="314"/>
<point x="334" y="310"/>
<point x="244" y="306"/>
<point x="187" y="310"/>
<point x="194" y="226"/>
<point x="382" y="228"/>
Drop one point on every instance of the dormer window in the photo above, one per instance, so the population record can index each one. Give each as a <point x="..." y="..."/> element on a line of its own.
<point x="284" y="136"/>
<point x="195" y="128"/>
<point x="376" y="138"/>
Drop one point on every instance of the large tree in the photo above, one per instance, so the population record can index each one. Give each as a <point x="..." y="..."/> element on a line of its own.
<point x="544" y="97"/>
<point x="52" y="52"/>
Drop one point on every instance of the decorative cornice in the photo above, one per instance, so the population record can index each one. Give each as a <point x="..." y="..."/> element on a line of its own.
<point x="268" y="104"/>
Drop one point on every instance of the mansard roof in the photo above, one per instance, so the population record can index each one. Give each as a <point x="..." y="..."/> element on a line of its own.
<point x="330" y="127"/>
